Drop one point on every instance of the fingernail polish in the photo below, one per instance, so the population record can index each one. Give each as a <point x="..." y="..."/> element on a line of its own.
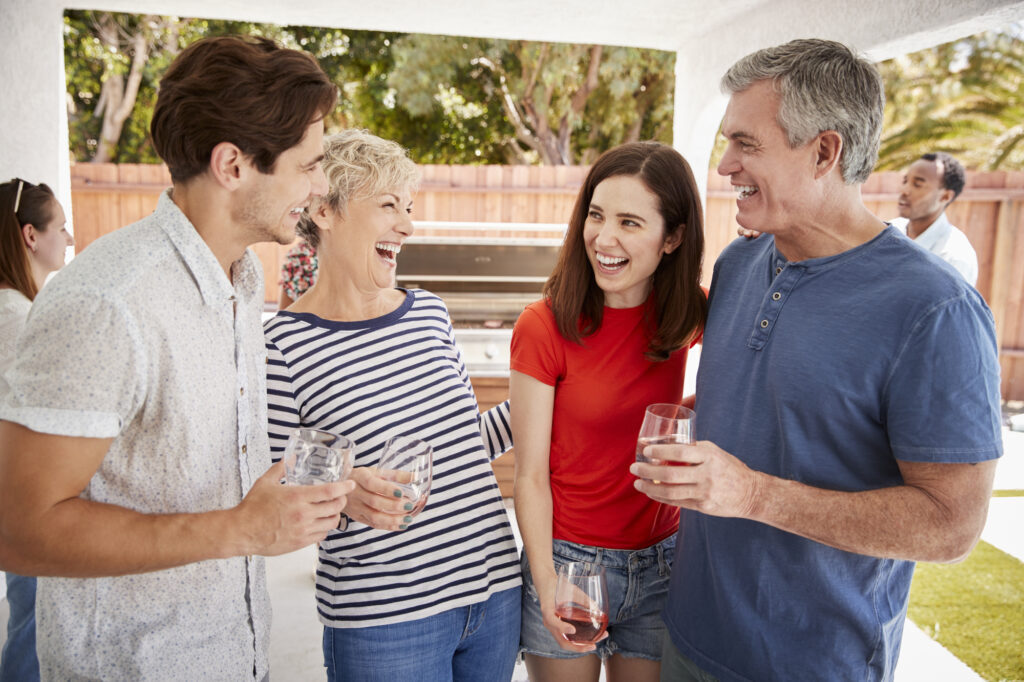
<point x="402" y="527"/>
<point x="408" y="519"/>
<point x="396" y="492"/>
<point x="408" y="506"/>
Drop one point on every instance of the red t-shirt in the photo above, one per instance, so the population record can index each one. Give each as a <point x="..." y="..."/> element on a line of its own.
<point x="601" y="391"/>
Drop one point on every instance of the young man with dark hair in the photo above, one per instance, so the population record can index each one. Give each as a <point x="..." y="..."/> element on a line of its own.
<point x="930" y="185"/>
<point x="134" y="461"/>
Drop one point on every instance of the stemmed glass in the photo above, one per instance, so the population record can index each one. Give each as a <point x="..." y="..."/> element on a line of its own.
<point x="581" y="600"/>
<point x="665" y="423"/>
<point x="408" y="462"/>
<point x="312" y="456"/>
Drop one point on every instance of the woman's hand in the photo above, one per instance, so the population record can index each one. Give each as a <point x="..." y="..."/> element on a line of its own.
<point x="558" y="628"/>
<point x="376" y="502"/>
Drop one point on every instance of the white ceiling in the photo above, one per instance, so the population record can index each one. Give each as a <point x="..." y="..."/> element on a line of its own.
<point x="679" y="25"/>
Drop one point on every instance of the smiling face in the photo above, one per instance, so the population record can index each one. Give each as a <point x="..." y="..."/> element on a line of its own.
<point x="271" y="203"/>
<point x="922" y="196"/>
<point x="625" y="238"/>
<point x="366" y="240"/>
<point x="774" y="180"/>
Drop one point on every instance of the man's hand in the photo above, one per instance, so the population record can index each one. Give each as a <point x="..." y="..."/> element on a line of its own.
<point x="276" y="519"/>
<point x="702" y="477"/>
<point x="937" y="514"/>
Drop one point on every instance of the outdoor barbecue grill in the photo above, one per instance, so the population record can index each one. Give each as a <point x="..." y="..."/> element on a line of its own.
<point x="485" y="280"/>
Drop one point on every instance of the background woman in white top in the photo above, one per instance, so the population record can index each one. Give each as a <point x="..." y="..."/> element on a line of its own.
<point x="33" y="240"/>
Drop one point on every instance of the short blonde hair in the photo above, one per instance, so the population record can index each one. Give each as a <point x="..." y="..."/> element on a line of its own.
<point x="358" y="165"/>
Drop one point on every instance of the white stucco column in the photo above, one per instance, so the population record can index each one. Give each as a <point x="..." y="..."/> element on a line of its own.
<point x="33" y="111"/>
<point x="699" y="107"/>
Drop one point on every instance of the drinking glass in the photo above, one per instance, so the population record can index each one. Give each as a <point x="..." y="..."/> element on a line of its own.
<point x="408" y="462"/>
<point x="665" y="423"/>
<point x="581" y="600"/>
<point x="312" y="456"/>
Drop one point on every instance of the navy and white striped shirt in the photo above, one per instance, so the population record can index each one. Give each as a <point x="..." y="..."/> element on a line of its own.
<point x="400" y="374"/>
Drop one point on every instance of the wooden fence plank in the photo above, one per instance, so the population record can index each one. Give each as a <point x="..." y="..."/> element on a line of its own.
<point x="106" y="197"/>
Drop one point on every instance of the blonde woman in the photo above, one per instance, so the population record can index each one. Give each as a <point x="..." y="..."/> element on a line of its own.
<point x="435" y="597"/>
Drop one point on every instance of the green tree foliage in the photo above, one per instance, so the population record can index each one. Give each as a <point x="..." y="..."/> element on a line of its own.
<point x="560" y="103"/>
<point x="448" y="100"/>
<point x="113" y="63"/>
<point x="964" y="97"/>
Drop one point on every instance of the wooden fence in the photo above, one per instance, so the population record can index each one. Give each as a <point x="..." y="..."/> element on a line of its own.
<point x="108" y="196"/>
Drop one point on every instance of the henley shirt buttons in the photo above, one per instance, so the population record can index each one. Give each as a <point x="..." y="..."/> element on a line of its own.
<point x="776" y="296"/>
<point x="764" y="324"/>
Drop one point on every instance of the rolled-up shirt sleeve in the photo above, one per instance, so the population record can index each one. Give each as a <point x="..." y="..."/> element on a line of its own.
<point x="80" y="367"/>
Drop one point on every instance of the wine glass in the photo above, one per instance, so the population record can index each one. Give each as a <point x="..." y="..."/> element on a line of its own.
<point x="312" y="456"/>
<point x="581" y="600"/>
<point x="408" y="462"/>
<point x="665" y="423"/>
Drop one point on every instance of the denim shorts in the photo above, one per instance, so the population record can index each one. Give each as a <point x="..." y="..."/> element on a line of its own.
<point x="637" y="587"/>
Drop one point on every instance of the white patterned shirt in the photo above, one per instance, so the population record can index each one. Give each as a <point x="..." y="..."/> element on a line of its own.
<point x="14" y="309"/>
<point x="143" y="339"/>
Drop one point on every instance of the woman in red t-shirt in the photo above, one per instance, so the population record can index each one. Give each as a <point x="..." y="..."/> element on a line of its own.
<point x="620" y="311"/>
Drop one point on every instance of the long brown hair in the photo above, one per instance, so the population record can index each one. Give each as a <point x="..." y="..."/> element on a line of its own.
<point x="34" y="205"/>
<point x="247" y="91"/>
<point x="681" y="308"/>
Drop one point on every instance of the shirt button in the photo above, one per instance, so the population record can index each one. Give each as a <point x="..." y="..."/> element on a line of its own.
<point x="241" y="391"/>
<point x="776" y="296"/>
<point x="764" y="324"/>
<point x="243" y="449"/>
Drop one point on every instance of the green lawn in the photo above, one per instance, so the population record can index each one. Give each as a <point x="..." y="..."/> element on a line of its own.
<point x="1008" y="493"/>
<point x="975" y="609"/>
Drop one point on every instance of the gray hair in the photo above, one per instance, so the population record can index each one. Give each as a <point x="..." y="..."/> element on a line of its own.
<point x="823" y="85"/>
<point x="358" y="165"/>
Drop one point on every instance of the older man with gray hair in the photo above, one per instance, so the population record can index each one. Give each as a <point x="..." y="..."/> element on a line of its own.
<point x="847" y="399"/>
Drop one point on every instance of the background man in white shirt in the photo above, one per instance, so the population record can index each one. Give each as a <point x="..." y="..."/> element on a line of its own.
<point x="929" y="186"/>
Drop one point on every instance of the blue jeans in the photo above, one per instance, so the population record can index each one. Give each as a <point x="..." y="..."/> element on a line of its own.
<point x="18" y="663"/>
<point x="476" y="643"/>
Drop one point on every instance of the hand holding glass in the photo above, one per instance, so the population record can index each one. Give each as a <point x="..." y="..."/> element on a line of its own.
<point x="313" y="457"/>
<point x="408" y="462"/>
<point x="665" y="423"/>
<point x="581" y="600"/>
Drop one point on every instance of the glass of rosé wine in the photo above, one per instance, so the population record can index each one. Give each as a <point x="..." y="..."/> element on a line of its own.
<point x="581" y="600"/>
<point x="665" y="423"/>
